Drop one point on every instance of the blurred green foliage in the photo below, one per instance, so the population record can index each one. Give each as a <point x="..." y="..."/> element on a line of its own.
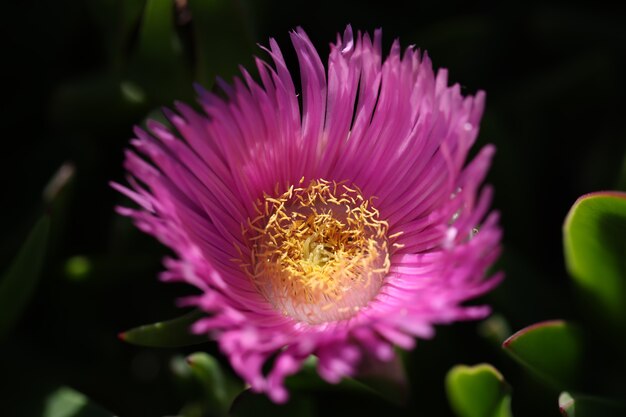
<point x="171" y="333"/>
<point x="19" y="282"/>
<point x="478" y="391"/>
<point x="595" y="248"/>
<point x="81" y="74"/>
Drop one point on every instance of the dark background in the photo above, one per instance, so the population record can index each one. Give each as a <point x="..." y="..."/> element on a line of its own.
<point x="77" y="79"/>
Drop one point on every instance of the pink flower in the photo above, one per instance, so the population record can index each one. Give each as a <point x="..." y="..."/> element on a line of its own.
<point x="337" y="227"/>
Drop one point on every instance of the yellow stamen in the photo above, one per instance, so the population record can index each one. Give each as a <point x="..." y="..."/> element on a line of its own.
<point x="318" y="253"/>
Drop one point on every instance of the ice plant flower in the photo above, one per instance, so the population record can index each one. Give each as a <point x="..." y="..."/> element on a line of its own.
<point x="337" y="223"/>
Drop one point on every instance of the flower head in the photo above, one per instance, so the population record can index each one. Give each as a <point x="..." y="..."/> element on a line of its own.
<point x="339" y="226"/>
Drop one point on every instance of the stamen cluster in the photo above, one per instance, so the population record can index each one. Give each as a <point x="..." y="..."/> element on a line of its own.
<point x="318" y="252"/>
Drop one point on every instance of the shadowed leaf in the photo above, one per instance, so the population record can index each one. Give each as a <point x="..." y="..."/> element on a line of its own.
<point x="551" y="349"/>
<point x="158" y="69"/>
<point x="386" y="380"/>
<point x="19" y="282"/>
<point x="251" y="404"/>
<point x="219" y="390"/>
<point x="594" y="236"/>
<point x="171" y="333"/>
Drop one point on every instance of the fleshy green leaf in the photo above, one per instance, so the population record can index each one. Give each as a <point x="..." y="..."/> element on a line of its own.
<point x="585" y="406"/>
<point x="550" y="349"/>
<point x="478" y="391"/>
<point x="171" y="333"/>
<point x="66" y="402"/>
<point x="19" y="282"/>
<point x="594" y="236"/>
<point x="219" y="390"/>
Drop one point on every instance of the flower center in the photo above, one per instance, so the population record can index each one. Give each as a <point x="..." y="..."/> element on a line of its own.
<point x="318" y="253"/>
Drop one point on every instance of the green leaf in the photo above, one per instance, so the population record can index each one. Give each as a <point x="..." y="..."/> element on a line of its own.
<point x="115" y="21"/>
<point x="206" y="389"/>
<point x="249" y="404"/>
<point x="158" y="40"/>
<point x="19" y="282"/>
<point x="478" y="391"/>
<point x="159" y="66"/>
<point x="585" y="406"/>
<point x="594" y="236"/>
<point x="219" y="390"/>
<point x="66" y="402"/>
<point x="551" y="349"/>
<point x="171" y="333"/>
<point x="223" y="38"/>
<point x="386" y="380"/>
